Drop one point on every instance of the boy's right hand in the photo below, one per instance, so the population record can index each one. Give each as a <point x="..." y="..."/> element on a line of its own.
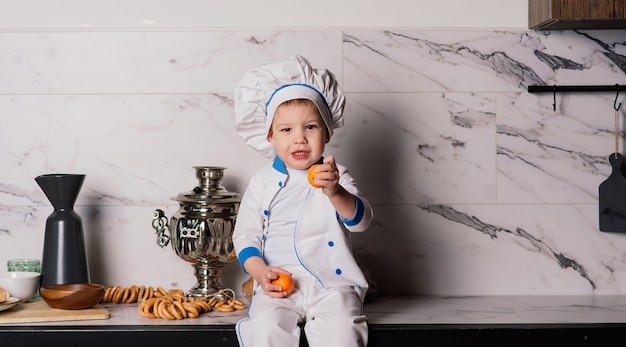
<point x="265" y="281"/>
<point x="264" y="275"/>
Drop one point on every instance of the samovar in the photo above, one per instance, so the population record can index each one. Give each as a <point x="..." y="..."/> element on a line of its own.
<point x="201" y="229"/>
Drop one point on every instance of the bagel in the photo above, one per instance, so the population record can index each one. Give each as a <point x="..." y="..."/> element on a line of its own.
<point x="4" y="295"/>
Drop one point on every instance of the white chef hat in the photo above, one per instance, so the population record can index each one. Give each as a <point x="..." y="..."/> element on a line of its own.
<point x="263" y="89"/>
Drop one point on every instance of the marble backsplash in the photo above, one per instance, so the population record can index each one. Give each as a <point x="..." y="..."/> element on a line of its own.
<point x="478" y="187"/>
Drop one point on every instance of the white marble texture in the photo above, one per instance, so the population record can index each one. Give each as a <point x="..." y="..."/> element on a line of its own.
<point x="465" y="310"/>
<point x="479" y="188"/>
<point x="498" y="310"/>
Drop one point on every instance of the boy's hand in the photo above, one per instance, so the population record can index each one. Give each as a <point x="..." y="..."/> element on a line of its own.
<point x="265" y="280"/>
<point x="264" y="275"/>
<point x="327" y="176"/>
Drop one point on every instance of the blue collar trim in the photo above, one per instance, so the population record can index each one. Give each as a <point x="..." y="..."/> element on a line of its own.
<point x="279" y="165"/>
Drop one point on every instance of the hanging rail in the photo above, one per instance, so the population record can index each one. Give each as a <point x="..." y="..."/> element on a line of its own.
<point x="555" y="88"/>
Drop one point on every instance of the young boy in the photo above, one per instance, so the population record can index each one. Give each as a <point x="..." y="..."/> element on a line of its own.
<point x="287" y="111"/>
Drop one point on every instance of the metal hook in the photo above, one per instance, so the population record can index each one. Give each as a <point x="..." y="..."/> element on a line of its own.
<point x="554" y="97"/>
<point x="615" y="102"/>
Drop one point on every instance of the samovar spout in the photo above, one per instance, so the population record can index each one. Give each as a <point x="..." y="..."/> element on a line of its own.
<point x="161" y="226"/>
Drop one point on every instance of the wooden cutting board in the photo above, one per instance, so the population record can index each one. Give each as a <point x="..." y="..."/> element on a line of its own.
<point x="39" y="311"/>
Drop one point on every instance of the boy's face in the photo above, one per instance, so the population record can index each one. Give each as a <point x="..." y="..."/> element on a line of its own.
<point x="298" y="134"/>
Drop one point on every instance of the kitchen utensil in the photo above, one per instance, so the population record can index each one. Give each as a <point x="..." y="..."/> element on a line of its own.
<point x="612" y="198"/>
<point x="64" y="259"/>
<point x="25" y="265"/>
<point x="7" y="305"/>
<point x="74" y="296"/>
<point x="201" y="230"/>
<point x="612" y="192"/>
<point x="21" y="285"/>
<point x="39" y="311"/>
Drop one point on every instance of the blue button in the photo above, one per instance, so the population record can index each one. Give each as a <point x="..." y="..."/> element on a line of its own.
<point x="338" y="271"/>
<point x="263" y="237"/>
<point x="280" y="184"/>
<point x="266" y="212"/>
<point x="331" y="244"/>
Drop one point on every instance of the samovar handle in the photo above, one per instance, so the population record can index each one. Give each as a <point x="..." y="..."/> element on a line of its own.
<point x="160" y="225"/>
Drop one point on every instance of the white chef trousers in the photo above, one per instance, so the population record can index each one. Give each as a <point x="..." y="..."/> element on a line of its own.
<point x="331" y="317"/>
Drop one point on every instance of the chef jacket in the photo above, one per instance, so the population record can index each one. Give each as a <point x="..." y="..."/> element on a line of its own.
<point x="321" y="243"/>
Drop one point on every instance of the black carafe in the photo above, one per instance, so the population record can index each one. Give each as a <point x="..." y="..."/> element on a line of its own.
<point x="63" y="259"/>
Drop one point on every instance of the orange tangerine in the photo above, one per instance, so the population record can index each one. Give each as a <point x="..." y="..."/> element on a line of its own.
<point x="285" y="282"/>
<point x="312" y="174"/>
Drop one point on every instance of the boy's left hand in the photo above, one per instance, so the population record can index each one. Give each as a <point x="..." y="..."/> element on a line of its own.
<point x="327" y="178"/>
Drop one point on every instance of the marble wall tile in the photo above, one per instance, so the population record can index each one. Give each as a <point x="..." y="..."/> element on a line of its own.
<point x="420" y="148"/>
<point x="134" y="149"/>
<point x="410" y="61"/>
<point x="492" y="249"/>
<point x="547" y="156"/>
<point x="150" y="62"/>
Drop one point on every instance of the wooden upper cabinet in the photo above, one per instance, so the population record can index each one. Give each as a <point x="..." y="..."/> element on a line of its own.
<point x="576" y="14"/>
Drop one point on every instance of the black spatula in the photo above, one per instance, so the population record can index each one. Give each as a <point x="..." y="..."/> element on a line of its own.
<point x="612" y="198"/>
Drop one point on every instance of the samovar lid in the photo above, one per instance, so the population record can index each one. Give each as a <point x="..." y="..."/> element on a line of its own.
<point x="209" y="189"/>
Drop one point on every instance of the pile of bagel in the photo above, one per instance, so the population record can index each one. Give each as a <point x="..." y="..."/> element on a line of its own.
<point x="171" y="304"/>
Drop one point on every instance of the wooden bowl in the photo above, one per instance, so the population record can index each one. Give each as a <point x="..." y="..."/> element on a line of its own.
<point x="72" y="296"/>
